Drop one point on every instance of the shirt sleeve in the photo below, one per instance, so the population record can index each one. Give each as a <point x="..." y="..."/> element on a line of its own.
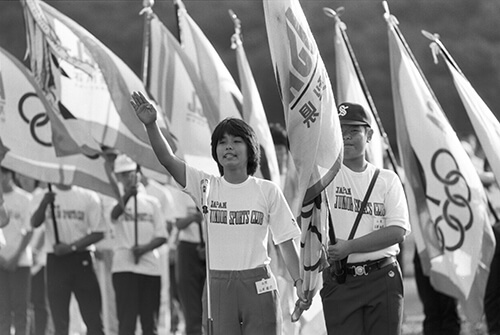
<point x="159" y="220"/>
<point x="396" y="205"/>
<point x="281" y="220"/>
<point x="193" y="183"/>
<point x="97" y="223"/>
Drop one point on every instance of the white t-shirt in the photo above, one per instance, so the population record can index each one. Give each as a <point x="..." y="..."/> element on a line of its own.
<point x="240" y="216"/>
<point x="16" y="203"/>
<point x="386" y="206"/>
<point x="164" y="196"/>
<point x="192" y="232"/>
<point x="78" y="212"/>
<point x="107" y="204"/>
<point x="150" y="223"/>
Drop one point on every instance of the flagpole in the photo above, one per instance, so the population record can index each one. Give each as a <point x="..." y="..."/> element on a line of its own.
<point x="148" y="12"/>
<point x="394" y="24"/>
<point x="390" y="154"/>
<point x="136" y="226"/>
<point x="53" y="213"/>
<point x="176" y="7"/>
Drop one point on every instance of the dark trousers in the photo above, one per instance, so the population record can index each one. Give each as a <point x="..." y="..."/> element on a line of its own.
<point x="39" y="303"/>
<point x="14" y="297"/>
<point x="74" y="273"/>
<point x="492" y="294"/>
<point x="137" y="295"/>
<point x="371" y="304"/>
<point x="441" y="316"/>
<point x="190" y="277"/>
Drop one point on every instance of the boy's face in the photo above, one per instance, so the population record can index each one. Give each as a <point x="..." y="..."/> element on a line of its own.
<point x="127" y="178"/>
<point x="355" y="139"/>
<point x="232" y="151"/>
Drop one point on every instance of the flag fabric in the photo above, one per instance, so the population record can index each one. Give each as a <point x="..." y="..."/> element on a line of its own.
<point x="172" y="82"/>
<point x="446" y="197"/>
<point x="25" y="133"/>
<point x="484" y="122"/>
<point x="254" y="113"/>
<point x="88" y="85"/>
<point x="221" y="90"/>
<point x="210" y="69"/>
<point x="312" y="124"/>
<point x="350" y="89"/>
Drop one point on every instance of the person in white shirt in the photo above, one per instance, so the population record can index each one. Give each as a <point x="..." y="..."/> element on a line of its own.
<point x="72" y="226"/>
<point x="242" y="210"/>
<point x="139" y="231"/>
<point x="4" y="218"/>
<point x="40" y="314"/>
<point x="15" y="257"/>
<point x="190" y="264"/>
<point x="370" y="301"/>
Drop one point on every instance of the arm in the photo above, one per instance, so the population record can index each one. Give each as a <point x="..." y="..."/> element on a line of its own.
<point x="11" y="264"/>
<point x="81" y="244"/>
<point x="291" y="257"/>
<point x="373" y="241"/>
<point x="120" y="207"/>
<point x="144" y="248"/>
<point x="38" y="216"/>
<point x="4" y="216"/>
<point x="194" y="215"/>
<point x="147" y="113"/>
<point x="487" y="178"/>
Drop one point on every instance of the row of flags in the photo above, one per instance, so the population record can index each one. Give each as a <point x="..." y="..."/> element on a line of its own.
<point x="74" y="102"/>
<point x="448" y="204"/>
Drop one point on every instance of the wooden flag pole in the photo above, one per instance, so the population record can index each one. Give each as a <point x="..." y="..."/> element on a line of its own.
<point x="53" y="213"/>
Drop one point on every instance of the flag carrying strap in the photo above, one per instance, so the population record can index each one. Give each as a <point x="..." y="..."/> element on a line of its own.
<point x="338" y="268"/>
<point x="363" y="204"/>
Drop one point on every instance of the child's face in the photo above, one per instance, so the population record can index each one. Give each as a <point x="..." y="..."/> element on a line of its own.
<point x="355" y="139"/>
<point x="127" y="178"/>
<point x="232" y="152"/>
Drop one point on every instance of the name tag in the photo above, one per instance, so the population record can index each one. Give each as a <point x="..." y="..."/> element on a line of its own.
<point x="378" y="222"/>
<point x="266" y="285"/>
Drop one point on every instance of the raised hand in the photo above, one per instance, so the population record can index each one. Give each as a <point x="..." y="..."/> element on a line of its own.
<point x="144" y="109"/>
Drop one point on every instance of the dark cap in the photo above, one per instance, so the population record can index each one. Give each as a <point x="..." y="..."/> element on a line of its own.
<point x="353" y="114"/>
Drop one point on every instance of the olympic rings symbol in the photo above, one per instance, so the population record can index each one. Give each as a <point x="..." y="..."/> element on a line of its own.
<point x="37" y="121"/>
<point x="452" y="178"/>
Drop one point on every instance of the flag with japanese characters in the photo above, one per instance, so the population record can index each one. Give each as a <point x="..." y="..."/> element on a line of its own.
<point x="446" y="198"/>
<point x="172" y="82"/>
<point x="210" y="69"/>
<point x="312" y="124"/>
<point x="26" y="134"/>
<point x="88" y="85"/>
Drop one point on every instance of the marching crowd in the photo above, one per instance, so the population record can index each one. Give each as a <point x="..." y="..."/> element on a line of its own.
<point x="59" y="241"/>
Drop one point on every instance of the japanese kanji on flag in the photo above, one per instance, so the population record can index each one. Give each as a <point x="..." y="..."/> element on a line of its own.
<point x="312" y="124"/>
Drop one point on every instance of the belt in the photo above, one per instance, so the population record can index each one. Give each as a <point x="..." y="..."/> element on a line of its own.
<point x="360" y="269"/>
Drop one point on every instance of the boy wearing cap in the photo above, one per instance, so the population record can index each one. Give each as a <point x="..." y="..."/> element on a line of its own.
<point x="372" y="294"/>
<point x="136" y="261"/>
<point x="72" y="226"/>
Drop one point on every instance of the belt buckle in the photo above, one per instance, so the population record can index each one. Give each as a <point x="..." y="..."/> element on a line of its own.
<point x="360" y="270"/>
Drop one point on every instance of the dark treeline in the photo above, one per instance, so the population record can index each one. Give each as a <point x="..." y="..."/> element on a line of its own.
<point x="469" y="30"/>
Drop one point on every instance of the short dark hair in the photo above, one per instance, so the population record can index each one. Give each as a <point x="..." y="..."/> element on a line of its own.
<point x="237" y="127"/>
<point x="5" y="170"/>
